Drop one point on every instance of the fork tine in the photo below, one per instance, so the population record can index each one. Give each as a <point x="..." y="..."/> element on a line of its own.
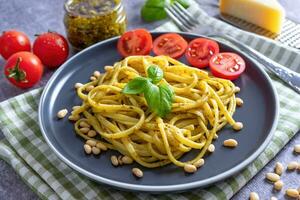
<point x="185" y="13"/>
<point x="183" y="18"/>
<point x="175" y="17"/>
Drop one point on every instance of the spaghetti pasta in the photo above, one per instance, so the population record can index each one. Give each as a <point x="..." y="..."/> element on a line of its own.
<point x="202" y="105"/>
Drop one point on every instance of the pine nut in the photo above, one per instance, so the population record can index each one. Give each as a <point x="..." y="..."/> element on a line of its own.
<point x="297" y="148"/>
<point x="274" y="198"/>
<point x="74" y="117"/>
<point x="292" y="166"/>
<point x="92" y="143"/>
<point x="292" y="192"/>
<point x="237" y="89"/>
<point x="211" y="148"/>
<point x="254" y="196"/>
<point x="237" y="126"/>
<point x="84" y="124"/>
<point x="87" y="149"/>
<point x="230" y="143"/>
<point x="114" y="160"/>
<point x="84" y="130"/>
<point x="108" y="68"/>
<point x="137" y="172"/>
<point x="92" y="133"/>
<point x="101" y="146"/>
<point x="93" y="78"/>
<point x="278" y="185"/>
<point x="127" y="160"/>
<point x="97" y="74"/>
<point x="272" y="177"/>
<point x="75" y="107"/>
<point x="199" y="163"/>
<point x="78" y="85"/>
<point x="278" y="168"/>
<point x="62" y="113"/>
<point x="96" y="151"/>
<point x="120" y="160"/>
<point x="239" y="102"/>
<point x="190" y="168"/>
<point x="89" y="88"/>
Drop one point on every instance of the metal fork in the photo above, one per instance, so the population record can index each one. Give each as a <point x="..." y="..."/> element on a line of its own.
<point x="187" y="23"/>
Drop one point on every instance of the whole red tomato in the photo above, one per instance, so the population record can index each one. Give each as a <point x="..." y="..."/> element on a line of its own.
<point x="13" y="41"/>
<point x="23" y="69"/>
<point x="52" y="48"/>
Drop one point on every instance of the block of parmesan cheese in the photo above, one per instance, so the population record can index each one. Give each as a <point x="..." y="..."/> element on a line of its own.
<point x="268" y="14"/>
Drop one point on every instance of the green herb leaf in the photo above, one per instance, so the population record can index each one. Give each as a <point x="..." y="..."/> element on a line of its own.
<point x="151" y="94"/>
<point x="153" y="10"/>
<point x="136" y="86"/>
<point x="166" y="99"/>
<point x="155" y="73"/>
<point x="159" y="98"/>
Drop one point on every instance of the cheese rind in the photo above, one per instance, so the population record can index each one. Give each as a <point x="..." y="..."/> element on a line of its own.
<point x="268" y="14"/>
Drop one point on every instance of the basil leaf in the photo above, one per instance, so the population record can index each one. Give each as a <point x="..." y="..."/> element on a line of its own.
<point x="151" y="94"/>
<point x="155" y="73"/>
<point x="136" y="86"/>
<point x="159" y="98"/>
<point x="153" y="10"/>
<point x="166" y="99"/>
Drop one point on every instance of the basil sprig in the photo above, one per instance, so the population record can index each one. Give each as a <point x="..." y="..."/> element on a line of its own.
<point x="159" y="96"/>
<point x="153" y="10"/>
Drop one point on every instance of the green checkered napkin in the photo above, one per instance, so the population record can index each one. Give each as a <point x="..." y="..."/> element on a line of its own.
<point x="27" y="152"/>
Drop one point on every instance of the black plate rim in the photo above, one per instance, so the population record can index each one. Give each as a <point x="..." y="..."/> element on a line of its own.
<point x="165" y="188"/>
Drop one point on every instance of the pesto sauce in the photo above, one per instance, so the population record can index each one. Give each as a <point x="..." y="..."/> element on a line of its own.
<point x="90" y="21"/>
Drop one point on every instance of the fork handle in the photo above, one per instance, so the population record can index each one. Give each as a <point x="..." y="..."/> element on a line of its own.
<point x="288" y="76"/>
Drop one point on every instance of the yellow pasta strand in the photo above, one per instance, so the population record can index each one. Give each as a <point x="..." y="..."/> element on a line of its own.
<point x="202" y="106"/>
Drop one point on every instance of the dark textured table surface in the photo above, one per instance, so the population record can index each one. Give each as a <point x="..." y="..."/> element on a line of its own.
<point x="36" y="16"/>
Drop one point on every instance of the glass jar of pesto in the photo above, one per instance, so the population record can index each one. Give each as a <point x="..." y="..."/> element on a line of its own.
<point x="90" y="21"/>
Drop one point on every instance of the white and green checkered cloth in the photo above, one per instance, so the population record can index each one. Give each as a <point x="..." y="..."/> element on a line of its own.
<point x="27" y="152"/>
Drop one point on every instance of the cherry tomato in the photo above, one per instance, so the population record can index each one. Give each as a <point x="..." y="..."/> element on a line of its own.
<point x="227" y="65"/>
<point x="170" y="44"/>
<point x="23" y="69"/>
<point x="135" y="42"/>
<point x="13" y="41"/>
<point x="52" y="48"/>
<point x="200" y="50"/>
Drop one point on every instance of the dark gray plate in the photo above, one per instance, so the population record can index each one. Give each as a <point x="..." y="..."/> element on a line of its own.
<point x="259" y="115"/>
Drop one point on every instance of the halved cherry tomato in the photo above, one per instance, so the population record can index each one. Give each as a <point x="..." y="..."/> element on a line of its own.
<point x="135" y="42"/>
<point x="170" y="44"/>
<point x="200" y="50"/>
<point x="227" y="65"/>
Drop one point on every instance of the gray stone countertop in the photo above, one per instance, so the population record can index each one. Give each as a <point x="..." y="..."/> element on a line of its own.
<point x="37" y="16"/>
